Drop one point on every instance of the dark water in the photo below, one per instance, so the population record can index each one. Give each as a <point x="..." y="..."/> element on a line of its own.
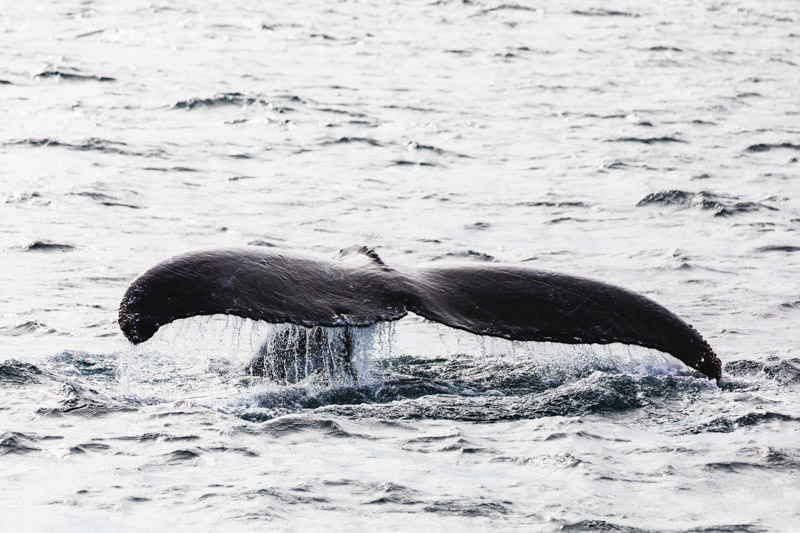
<point x="652" y="146"/>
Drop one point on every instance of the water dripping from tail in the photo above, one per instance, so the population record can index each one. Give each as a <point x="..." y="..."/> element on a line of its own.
<point x="333" y="356"/>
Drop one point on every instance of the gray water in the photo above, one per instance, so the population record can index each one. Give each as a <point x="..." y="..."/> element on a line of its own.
<point x="653" y="146"/>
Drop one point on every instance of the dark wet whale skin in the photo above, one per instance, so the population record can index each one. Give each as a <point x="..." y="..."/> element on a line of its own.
<point x="358" y="289"/>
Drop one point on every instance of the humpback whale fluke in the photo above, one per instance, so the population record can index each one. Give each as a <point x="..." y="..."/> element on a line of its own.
<point x="358" y="289"/>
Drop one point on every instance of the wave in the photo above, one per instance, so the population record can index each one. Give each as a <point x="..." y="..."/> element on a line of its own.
<point x="599" y="393"/>
<point x="12" y="442"/>
<point x="33" y="198"/>
<point x="353" y="140"/>
<point x="222" y="99"/>
<point x="404" y="162"/>
<point x="729" y="424"/>
<point x="604" y="13"/>
<point x="600" y="526"/>
<point x="17" y="373"/>
<point x="105" y="199"/>
<point x="551" y="204"/>
<point x="784" y="371"/>
<point x="647" y="140"/>
<point x="416" y="147"/>
<point x="31" y="327"/>
<point x="766" y="147"/>
<point x="260" y="242"/>
<point x="47" y="246"/>
<point x="71" y="75"/>
<point x="294" y="425"/>
<point x="721" y="205"/>
<point x="565" y="219"/>
<point x="90" y="144"/>
<point x="207" y="363"/>
<point x="664" y="49"/>
<point x="471" y="255"/>
<point x="779" y="248"/>
<point x="463" y="388"/>
<point x="171" y="169"/>
<point x="506" y="7"/>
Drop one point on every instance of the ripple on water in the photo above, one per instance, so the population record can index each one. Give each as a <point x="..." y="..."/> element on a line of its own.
<point x="91" y="144"/>
<point x="480" y="508"/>
<point x="786" y="248"/>
<point x="729" y="424"/>
<point x="218" y="100"/>
<point x="767" y="147"/>
<point x="600" y="525"/>
<point x="648" y="140"/>
<point x="12" y="442"/>
<point x="721" y="205"/>
<point x="181" y="456"/>
<point x="70" y="74"/>
<point x="599" y="12"/>
<point x="47" y="246"/>
<point x="785" y="371"/>
<point x="17" y="373"/>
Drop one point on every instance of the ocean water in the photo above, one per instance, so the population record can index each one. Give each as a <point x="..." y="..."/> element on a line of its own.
<point x="651" y="145"/>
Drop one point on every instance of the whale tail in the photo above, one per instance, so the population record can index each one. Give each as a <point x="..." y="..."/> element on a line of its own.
<point x="359" y="290"/>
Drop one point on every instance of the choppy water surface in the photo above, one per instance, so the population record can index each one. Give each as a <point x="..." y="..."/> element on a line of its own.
<point x="654" y="146"/>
